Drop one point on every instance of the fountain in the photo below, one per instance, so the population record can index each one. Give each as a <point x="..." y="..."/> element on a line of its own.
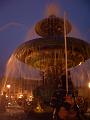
<point x="18" y="75"/>
<point x="47" y="52"/>
<point x="46" y="55"/>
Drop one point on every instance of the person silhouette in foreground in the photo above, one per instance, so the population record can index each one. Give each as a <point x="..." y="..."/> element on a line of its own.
<point x="62" y="112"/>
<point x="67" y="112"/>
<point x="64" y="104"/>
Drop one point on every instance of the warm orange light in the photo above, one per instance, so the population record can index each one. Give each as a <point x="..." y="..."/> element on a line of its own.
<point x="6" y="96"/>
<point x="89" y="84"/>
<point x="20" y="96"/>
<point x="8" y="86"/>
<point x="80" y="63"/>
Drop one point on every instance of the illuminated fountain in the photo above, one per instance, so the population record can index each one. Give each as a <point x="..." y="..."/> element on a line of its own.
<point x="47" y="52"/>
<point x="47" y="55"/>
<point x="19" y="78"/>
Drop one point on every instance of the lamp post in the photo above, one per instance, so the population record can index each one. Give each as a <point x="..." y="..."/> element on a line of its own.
<point x="89" y="93"/>
<point x="8" y="87"/>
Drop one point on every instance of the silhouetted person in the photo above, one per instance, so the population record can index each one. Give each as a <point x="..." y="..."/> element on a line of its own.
<point x="66" y="108"/>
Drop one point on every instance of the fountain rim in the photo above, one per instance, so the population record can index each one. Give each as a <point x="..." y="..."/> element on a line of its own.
<point x="38" y="42"/>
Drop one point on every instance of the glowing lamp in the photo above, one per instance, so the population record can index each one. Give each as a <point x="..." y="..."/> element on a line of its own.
<point x="89" y="84"/>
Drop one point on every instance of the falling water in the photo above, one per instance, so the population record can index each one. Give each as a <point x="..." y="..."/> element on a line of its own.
<point x="18" y="70"/>
<point x="15" y="24"/>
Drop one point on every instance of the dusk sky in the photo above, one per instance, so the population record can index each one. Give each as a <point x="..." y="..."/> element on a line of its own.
<point x="18" y="17"/>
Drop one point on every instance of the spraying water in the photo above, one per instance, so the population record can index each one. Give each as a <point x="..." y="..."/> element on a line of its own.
<point x="18" y="70"/>
<point x="15" y="24"/>
<point x="52" y="9"/>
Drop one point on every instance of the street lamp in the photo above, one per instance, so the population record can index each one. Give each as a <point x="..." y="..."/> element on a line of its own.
<point x="89" y="84"/>
<point x="8" y="87"/>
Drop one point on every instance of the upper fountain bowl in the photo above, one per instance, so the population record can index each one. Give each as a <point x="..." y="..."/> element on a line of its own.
<point x="52" y="26"/>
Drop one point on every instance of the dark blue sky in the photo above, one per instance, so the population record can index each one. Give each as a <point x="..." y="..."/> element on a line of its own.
<point x="17" y="19"/>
